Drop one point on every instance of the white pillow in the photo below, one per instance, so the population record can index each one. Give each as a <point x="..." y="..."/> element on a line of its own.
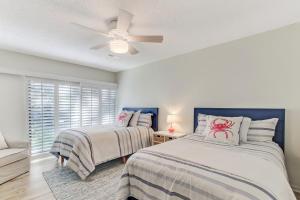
<point x="202" y="122"/>
<point x="245" y="128"/>
<point x="134" y="119"/>
<point x="223" y="130"/>
<point x="262" y="130"/>
<point x="145" y="119"/>
<point x="3" y="144"/>
<point x="123" y="118"/>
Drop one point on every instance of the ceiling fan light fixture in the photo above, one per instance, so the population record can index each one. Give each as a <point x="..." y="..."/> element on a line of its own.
<point x="119" y="46"/>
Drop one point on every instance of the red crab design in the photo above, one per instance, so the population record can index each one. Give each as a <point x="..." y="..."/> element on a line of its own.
<point x="220" y="125"/>
<point x="122" y="116"/>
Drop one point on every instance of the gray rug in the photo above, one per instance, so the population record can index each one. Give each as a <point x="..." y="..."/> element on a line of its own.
<point x="102" y="184"/>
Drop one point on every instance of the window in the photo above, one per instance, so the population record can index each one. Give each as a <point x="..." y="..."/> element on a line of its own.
<point x="41" y="115"/>
<point x="90" y="106"/>
<point x="108" y="104"/>
<point x="55" y="105"/>
<point x="68" y="106"/>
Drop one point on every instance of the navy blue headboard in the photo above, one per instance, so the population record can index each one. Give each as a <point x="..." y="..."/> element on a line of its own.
<point x="253" y="113"/>
<point x="154" y="112"/>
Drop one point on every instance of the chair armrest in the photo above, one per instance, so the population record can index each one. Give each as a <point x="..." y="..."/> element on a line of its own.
<point x="18" y="144"/>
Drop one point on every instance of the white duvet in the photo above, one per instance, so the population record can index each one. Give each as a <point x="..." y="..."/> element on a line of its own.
<point x="87" y="147"/>
<point x="190" y="168"/>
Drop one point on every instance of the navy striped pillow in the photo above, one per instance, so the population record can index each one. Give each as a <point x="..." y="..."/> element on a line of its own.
<point x="145" y="119"/>
<point x="262" y="130"/>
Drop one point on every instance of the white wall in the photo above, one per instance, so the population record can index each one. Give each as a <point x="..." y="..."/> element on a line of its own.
<point x="11" y="62"/>
<point x="12" y="108"/>
<point x="261" y="71"/>
<point x="12" y="89"/>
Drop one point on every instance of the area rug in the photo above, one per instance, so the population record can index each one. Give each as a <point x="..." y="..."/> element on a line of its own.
<point x="102" y="184"/>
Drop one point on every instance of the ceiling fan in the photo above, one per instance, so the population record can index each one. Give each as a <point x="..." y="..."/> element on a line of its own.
<point x="120" y="38"/>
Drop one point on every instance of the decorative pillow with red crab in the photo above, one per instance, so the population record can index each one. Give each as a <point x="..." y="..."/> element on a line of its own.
<point x="123" y="118"/>
<point x="223" y="130"/>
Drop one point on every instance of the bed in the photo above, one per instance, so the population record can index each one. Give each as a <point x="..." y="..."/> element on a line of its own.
<point x="191" y="168"/>
<point x="87" y="147"/>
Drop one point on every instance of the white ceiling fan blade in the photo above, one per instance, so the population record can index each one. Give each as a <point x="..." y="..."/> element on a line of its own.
<point x="100" y="46"/>
<point x="90" y="29"/>
<point x="132" y="50"/>
<point x="146" y="38"/>
<point x="124" y="20"/>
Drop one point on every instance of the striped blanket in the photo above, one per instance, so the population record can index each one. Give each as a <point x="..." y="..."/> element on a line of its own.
<point x="87" y="147"/>
<point x="191" y="168"/>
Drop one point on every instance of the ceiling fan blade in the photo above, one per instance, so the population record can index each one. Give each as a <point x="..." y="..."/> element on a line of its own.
<point x="99" y="46"/>
<point x="124" y="20"/>
<point x="146" y="38"/>
<point x="90" y="29"/>
<point x="132" y="50"/>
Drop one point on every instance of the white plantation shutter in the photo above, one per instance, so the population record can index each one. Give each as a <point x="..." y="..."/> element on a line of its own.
<point x="57" y="105"/>
<point x="41" y="114"/>
<point x="90" y="106"/>
<point x="68" y="106"/>
<point x="108" y="106"/>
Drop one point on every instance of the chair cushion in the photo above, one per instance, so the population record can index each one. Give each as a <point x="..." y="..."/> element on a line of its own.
<point x="8" y="156"/>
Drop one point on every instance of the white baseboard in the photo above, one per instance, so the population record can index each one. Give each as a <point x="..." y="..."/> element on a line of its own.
<point x="296" y="188"/>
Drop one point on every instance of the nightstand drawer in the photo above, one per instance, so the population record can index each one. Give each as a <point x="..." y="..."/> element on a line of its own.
<point x="154" y="143"/>
<point x="165" y="136"/>
<point x="169" y="138"/>
<point x="158" y="138"/>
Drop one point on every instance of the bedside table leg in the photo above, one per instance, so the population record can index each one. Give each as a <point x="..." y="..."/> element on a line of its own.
<point x="62" y="159"/>
<point x="124" y="159"/>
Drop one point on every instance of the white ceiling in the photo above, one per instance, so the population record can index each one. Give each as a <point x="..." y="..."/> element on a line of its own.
<point x="43" y="27"/>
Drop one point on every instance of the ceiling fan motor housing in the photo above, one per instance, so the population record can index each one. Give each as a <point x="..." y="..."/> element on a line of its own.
<point x="118" y="34"/>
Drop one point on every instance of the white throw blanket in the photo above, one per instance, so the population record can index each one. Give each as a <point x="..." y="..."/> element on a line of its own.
<point x="190" y="168"/>
<point x="87" y="147"/>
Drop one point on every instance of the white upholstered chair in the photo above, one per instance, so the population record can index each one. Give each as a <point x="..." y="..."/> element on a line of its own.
<point x="14" y="160"/>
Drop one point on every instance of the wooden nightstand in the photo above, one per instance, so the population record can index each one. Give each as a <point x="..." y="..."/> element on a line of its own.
<point x="164" y="136"/>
